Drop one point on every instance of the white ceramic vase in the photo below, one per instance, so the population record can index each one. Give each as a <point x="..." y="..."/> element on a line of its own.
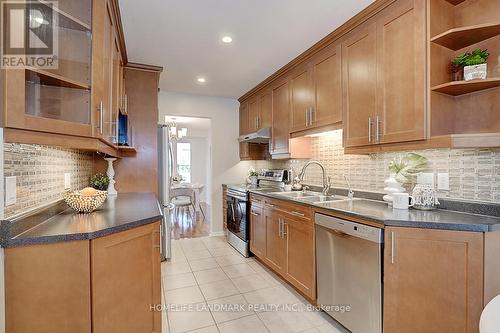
<point x="111" y="175"/>
<point x="392" y="186"/>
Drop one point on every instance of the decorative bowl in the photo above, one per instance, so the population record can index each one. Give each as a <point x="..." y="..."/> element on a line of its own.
<point x="86" y="200"/>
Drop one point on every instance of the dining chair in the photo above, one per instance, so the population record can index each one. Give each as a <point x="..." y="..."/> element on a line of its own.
<point x="183" y="197"/>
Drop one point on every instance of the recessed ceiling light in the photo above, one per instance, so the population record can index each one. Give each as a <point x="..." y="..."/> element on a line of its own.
<point x="201" y="80"/>
<point x="227" y="39"/>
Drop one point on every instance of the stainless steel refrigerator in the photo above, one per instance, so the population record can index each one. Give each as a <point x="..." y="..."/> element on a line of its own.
<point x="165" y="171"/>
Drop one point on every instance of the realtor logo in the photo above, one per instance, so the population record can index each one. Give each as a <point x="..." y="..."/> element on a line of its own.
<point x="29" y="34"/>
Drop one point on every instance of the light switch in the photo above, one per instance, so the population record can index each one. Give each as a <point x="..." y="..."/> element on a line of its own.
<point x="10" y="190"/>
<point x="426" y="178"/>
<point x="444" y="181"/>
<point x="67" y="181"/>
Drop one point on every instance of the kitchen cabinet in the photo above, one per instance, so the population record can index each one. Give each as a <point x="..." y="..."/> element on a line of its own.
<point x="282" y="146"/>
<point x="427" y="271"/>
<point x="252" y="151"/>
<point x="359" y="72"/>
<point x="316" y="91"/>
<point x="126" y="266"/>
<point x="376" y="58"/>
<point x="326" y="70"/>
<point x="253" y="114"/>
<point x="258" y="231"/>
<point x="275" y="244"/>
<point x="256" y="113"/>
<point x="244" y="116"/>
<point x="401" y="53"/>
<point x="299" y="267"/>
<point x="266" y="109"/>
<point x="47" y="288"/>
<point x="105" y="284"/>
<point x="282" y="236"/>
<point x="55" y="100"/>
<point x="108" y="74"/>
<point x="301" y="106"/>
<point x="281" y="113"/>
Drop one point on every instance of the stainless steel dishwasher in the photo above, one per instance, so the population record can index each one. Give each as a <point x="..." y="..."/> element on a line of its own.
<point x="349" y="272"/>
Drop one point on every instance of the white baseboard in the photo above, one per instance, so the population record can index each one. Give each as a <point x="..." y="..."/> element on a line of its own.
<point x="218" y="233"/>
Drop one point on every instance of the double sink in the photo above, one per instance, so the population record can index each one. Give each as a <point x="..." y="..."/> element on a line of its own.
<point x="315" y="198"/>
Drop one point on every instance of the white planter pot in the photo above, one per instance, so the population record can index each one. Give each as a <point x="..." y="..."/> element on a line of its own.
<point x="475" y="72"/>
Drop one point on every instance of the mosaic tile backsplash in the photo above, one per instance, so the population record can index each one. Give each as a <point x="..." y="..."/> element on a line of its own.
<point x="40" y="173"/>
<point x="474" y="173"/>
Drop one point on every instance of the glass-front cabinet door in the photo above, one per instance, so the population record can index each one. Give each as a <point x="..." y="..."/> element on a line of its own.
<point x="53" y="98"/>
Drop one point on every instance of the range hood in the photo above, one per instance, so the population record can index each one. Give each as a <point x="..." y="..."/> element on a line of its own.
<point x="261" y="136"/>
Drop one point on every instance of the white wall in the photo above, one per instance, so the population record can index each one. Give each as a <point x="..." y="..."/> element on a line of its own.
<point x="226" y="166"/>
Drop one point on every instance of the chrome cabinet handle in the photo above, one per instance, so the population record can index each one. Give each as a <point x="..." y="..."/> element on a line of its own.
<point x="392" y="247"/>
<point x="255" y="214"/>
<point x="293" y="212"/>
<point x="307" y="117"/>
<point x="378" y="133"/>
<point x="258" y="122"/>
<point x="284" y="232"/>
<point x="269" y="206"/>
<point x="312" y="116"/>
<point x="100" y="108"/>
<point x="279" y="228"/>
<point x="369" y="129"/>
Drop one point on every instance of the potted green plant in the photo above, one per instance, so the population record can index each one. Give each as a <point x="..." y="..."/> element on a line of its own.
<point x="473" y="64"/>
<point x="99" y="181"/>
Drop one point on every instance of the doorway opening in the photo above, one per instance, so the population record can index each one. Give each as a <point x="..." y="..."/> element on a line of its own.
<point x="191" y="176"/>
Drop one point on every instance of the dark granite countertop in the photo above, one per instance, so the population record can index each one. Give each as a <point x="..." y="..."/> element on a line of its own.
<point x="60" y="223"/>
<point x="379" y="211"/>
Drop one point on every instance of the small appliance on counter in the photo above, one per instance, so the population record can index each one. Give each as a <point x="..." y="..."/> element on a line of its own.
<point x="238" y="207"/>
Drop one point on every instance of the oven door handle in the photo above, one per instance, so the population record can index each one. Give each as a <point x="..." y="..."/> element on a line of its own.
<point x="232" y="210"/>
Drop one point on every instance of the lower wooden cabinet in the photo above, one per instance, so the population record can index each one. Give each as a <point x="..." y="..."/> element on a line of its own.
<point x="299" y="267"/>
<point x="433" y="280"/>
<point x="258" y="232"/>
<point x="282" y="236"/>
<point x="275" y="256"/>
<point x="126" y="281"/>
<point x="47" y="288"/>
<point x="103" y="285"/>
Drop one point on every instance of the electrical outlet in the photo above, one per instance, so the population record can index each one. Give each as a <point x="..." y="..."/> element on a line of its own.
<point x="443" y="181"/>
<point x="67" y="181"/>
<point x="426" y="178"/>
<point x="10" y="190"/>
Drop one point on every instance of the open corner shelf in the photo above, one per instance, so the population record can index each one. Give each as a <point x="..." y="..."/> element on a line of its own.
<point x="127" y="149"/>
<point x="455" y="2"/>
<point x="51" y="79"/>
<point x="458" y="38"/>
<point x="457" y="88"/>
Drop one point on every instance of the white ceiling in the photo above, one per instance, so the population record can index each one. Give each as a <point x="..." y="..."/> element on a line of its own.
<point x="196" y="125"/>
<point x="184" y="36"/>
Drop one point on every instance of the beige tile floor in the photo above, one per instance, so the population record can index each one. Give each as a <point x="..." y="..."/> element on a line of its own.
<point x="208" y="287"/>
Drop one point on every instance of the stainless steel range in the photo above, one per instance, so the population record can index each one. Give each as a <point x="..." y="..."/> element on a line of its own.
<point x="238" y="207"/>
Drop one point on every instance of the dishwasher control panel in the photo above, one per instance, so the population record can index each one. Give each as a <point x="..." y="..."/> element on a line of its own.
<point x="340" y="226"/>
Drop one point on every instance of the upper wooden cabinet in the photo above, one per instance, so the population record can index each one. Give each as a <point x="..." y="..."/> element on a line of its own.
<point x="327" y="87"/>
<point x="426" y="271"/>
<point x="256" y="113"/>
<point x="359" y="86"/>
<point x="384" y="77"/>
<point x="107" y="92"/>
<point x="401" y="68"/>
<point x="281" y="118"/>
<point x="316" y="91"/>
<point x="244" y="116"/>
<point x="55" y="100"/>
